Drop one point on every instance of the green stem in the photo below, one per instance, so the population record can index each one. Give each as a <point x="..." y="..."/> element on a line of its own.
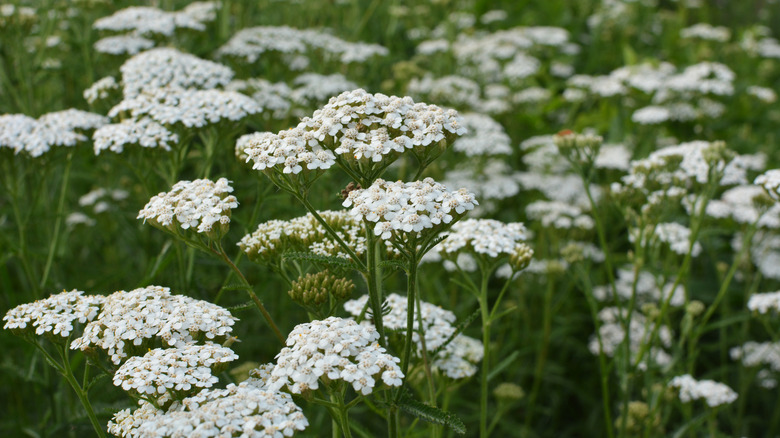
<point x="541" y="359"/>
<point x="411" y="290"/>
<point x="267" y="316"/>
<point x="64" y="368"/>
<point x="57" y="221"/>
<point x="483" y="398"/>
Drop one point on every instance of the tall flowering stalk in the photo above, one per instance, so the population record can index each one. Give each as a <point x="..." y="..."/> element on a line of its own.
<point x="363" y="134"/>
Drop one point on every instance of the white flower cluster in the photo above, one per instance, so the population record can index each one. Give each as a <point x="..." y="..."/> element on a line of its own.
<point x="764" y="253"/>
<point x="289" y="149"/>
<point x="645" y="289"/>
<point x="251" y="43"/>
<point x="483" y="236"/>
<point x="613" y="335"/>
<point x="457" y="360"/>
<point x="311" y="88"/>
<point x="189" y="108"/>
<point x="165" y="374"/>
<point x="144" y="132"/>
<point x="398" y="207"/>
<point x="129" y="319"/>
<point x="770" y="181"/>
<point x="763" y="303"/>
<point x="494" y="181"/>
<point x="101" y="89"/>
<point x="559" y="215"/>
<point x="758" y="353"/>
<point x="190" y="204"/>
<point x="484" y="136"/>
<point x="149" y="21"/>
<point x="706" y="31"/>
<point x="743" y="204"/>
<point x="305" y="233"/>
<point x="38" y="136"/>
<point x="123" y="44"/>
<point x="249" y="409"/>
<point x="507" y="54"/>
<point x="714" y="393"/>
<point x="274" y="97"/>
<point x="358" y="126"/>
<point x="334" y="349"/>
<point x="682" y="166"/>
<point x="55" y="315"/>
<point x="171" y="69"/>
<point x="677" y="236"/>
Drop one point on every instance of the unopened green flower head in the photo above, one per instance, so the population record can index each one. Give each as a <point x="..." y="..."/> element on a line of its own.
<point x="521" y="257"/>
<point x="508" y="392"/>
<point x="315" y="289"/>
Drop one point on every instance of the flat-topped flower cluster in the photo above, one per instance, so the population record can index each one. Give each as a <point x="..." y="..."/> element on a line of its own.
<point x="714" y="393"/>
<point x="457" y="359"/>
<point x="200" y="204"/>
<point x="248" y="408"/>
<point x="355" y="126"/>
<point x="334" y="349"/>
<point x="398" y="207"/>
<point x="128" y="321"/>
<point x="54" y="315"/>
<point x="37" y="136"/>
<point x="163" y="373"/>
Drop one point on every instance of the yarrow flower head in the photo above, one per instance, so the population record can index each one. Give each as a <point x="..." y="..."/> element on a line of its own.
<point x="144" y="132"/>
<point x="366" y="131"/>
<point x="334" y="349"/>
<point x="37" y="136"/>
<point x="714" y="393"/>
<point x="132" y="322"/>
<point x="55" y="315"/>
<point x="763" y="303"/>
<point x="250" y="409"/>
<point x="400" y="208"/>
<point x="456" y="358"/>
<point x="201" y="204"/>
<point x="770" y="181"/>
<point x="172" y="69"/>
<point x="487" y="237"/>
<point x="168" y="374"/>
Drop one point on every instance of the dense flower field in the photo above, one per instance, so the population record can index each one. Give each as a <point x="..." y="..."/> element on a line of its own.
<point x="390" y="218"/>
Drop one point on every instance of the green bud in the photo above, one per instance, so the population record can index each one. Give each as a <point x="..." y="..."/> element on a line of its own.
<point x="315" y="289"/>
<point x="695" y="308"/>
<point x="521" y="257"/>
<point x="508" y="392"/>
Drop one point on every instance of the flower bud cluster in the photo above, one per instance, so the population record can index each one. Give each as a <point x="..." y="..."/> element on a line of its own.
<point x="249" y="408"/>
<point x="714" y="393"/>
<point x="334" y="349"/>
<point x="456" y="360"/>
<point x="316" y="289"/>
<point x="54" y="315"/>
<point x="398" y="207"/>
<point x="580" y="149"/>
<point x="166" y="374"/>
<point x="129" y="321"/>
<point x="192" y="204"/>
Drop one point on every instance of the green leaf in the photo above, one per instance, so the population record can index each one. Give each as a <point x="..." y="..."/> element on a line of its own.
<point x="245" y="306"/>
<point x="393" y="264"/>
<point x="431" y="414"/>
<point x="318" y="258"/>
<point x="504" y="363"/>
